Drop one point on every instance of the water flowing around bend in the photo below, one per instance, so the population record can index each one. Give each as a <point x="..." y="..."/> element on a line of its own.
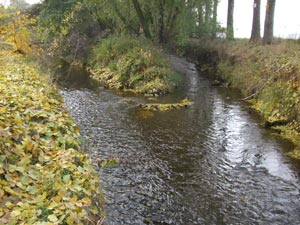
<point x="208" y="164"/>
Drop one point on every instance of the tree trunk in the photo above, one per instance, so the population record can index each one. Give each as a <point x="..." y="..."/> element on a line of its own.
<point x="142" y="19"/>
<point x="161" y="21"/>
<point x="215" y="13"/>
<point x="255" y="34"/>
<point x="200" y="15"/>
<point x="230" y="33"/>
<point x="269" y="22"/>
<point x="207" y="13"/>
<point x="126" y="23"/>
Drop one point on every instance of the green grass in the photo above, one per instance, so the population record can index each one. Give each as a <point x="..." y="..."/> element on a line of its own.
<point x="267" y="75"/>
<point x="131" y="63"/>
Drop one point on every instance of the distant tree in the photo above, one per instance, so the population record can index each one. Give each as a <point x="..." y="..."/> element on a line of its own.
<point x="161" y="21"/>
<point x="255" y="34"/>
<point x="208" y="10"/>
<point x="3" y="20"/>
<point x="230" y="33"/>
<point x="214" y="21"/>
<point x="19" y="4"/>
<point x="18" y="32"/>
<point x="156" y="20"/>
<point x="269" y="22"/>
<point x="56" y="18"/>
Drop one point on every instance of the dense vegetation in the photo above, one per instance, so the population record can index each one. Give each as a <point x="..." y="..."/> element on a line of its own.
<point x="44" y="176"/>
<point x="268" y="77"/>
<point x="121" y="42"/>
<point x="132" y="64"/>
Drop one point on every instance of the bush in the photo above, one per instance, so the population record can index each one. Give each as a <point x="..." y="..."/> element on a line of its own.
<point x="132" y="64"/>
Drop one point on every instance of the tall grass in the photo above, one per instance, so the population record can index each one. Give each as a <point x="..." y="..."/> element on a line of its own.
<point x="267" y="75"/>
<point x="132" y="63"/>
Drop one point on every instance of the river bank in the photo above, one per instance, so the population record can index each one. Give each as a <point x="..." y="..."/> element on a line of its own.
<point x="268" y="77"/>
<point x="213" y="152"/>
<point x="45" y="177"/>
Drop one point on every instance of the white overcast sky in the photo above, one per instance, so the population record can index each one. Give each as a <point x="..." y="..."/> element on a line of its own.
<point x="287" y="17"/>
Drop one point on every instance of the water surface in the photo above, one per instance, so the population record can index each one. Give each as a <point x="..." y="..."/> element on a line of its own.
<point x="210" y="163"/>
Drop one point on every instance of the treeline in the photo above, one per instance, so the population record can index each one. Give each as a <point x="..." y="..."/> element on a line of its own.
<point x="76" y="32"/>
<point x="162" y="21"/>
<point x="77" y="23"/>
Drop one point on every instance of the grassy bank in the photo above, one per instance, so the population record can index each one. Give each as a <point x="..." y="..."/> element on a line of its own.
<point x="45" y="178"/>
<point x="133" y="64"/>
<point x="268" y="76"/>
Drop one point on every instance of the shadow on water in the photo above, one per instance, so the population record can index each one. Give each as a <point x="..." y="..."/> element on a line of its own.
<point x="209" y="164"/>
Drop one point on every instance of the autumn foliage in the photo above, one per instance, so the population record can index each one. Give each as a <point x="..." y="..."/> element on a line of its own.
<point x="17" y="27"/>
<point x="44" y="177"/>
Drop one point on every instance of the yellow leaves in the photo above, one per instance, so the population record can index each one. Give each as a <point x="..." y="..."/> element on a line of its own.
<point x="57" y="198"/>
<point x="32" y="190"/>
<point x="15" y="213"/>
<point x="13" y="168"/>
<point x="10" y="191"/>
<point x="52" y="218"/>
<point x="1" y="193"/>
<point x="9" y="205"/>
<point x="71" y="219"/>
<point x="66" y="178"/>
<point x="86" y="201"/>
<point x="44" y="178"/>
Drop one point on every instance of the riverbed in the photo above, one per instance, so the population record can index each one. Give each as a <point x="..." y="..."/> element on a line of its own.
<point x="210" y="163"/>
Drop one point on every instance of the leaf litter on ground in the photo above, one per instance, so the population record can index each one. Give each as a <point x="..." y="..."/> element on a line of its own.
<point x="45" y="177"/>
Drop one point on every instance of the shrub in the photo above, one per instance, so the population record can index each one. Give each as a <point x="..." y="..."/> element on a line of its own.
<point x="132" y="63"/>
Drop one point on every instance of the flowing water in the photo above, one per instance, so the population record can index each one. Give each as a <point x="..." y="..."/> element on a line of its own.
<point x="211" y="163"/>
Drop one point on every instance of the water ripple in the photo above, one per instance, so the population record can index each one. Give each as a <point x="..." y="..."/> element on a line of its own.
<point x="209" y="164"/>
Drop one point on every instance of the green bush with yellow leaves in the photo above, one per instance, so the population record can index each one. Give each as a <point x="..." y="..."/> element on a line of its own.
<point x="134" y="64"/>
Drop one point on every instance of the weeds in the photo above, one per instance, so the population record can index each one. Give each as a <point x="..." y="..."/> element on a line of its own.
<point x="132" y="64"/>
<point x="268" y="76"/>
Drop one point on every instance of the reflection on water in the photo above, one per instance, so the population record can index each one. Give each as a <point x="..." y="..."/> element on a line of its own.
<point x="208" y="164"/>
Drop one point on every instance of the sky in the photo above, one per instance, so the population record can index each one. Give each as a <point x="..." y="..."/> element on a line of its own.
<point x="286" y="24"/>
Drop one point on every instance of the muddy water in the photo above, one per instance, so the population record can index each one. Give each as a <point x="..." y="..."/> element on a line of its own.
<point x="208" y="164"/>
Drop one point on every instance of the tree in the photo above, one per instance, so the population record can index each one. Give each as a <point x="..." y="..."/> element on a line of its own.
<point x="215" y="14"/>
<point x="19" y="4"/>
<point x="55" y="16"/>
<point x="269" y="22"/>
<point x="18" y="31"/>
<point x="205" y="17"/>
<point x="4" y="15"/>
<point x="142" y="18"/>
<point x="208" y="10"/>
<point x="154" y="19"/>
<point x="158" y="20"/>
<point x="230" y="32"/>
<point x="255" y="34"/>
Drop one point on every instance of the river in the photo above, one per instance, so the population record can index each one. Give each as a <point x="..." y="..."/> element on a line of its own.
<point x="211" y="163"/>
